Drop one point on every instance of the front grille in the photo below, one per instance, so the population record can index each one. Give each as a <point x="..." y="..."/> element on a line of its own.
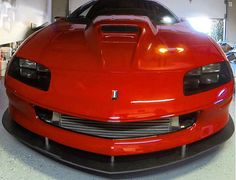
<point x="116" y="130"/>
<point x="113" y="130"/>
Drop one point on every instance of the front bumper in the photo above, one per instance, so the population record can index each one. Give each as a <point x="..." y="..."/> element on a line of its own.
<point x="118" y="165"/>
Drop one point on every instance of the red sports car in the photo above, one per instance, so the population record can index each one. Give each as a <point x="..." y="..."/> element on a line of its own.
<point x="118" y="87"/>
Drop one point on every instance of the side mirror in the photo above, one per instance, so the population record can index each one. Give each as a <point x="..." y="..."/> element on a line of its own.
<point x="79" y="20"/>
<point x="58" y="18"/>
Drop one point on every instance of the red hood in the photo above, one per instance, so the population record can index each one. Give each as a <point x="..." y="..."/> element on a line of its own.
<point x="82" y="48"/>
<point x="87" y="64"/>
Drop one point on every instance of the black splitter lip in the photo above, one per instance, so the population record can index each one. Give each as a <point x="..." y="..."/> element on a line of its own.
<point x="120" y="165"/>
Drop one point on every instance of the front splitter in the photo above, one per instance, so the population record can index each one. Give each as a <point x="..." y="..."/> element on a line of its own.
<point x="115" y="165"/>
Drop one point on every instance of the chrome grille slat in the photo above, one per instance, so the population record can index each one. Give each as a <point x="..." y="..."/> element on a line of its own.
<point x="118" y="124"/>
<point x="112" y="127"/>
<point x="121" y="134"/>
<point x="125" y="125"/>
<point x="96" y="122"/>
<point x="116" y="130"/>
<point x="107" y="126"/>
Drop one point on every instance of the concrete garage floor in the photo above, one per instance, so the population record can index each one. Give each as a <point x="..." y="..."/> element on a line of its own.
<point x="19" y="162"/>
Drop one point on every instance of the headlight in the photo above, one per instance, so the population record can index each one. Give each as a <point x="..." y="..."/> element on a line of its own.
<point x="30" y="73"/>
<point x="207" y="77"/>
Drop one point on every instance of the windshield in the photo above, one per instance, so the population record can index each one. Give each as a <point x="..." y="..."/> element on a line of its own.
<point x="156" y="12"/>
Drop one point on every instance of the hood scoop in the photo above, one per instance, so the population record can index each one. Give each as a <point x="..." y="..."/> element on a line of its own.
<point x="118" y="45"/>
<point x="120" y="33"/>
<point x="120" y="29"/>
<point x="117" y="40"/>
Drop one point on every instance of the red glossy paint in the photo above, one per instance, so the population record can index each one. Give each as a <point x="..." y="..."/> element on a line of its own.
<point x="87" y="65"/>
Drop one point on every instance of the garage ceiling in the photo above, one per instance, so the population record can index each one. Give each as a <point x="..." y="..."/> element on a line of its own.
<point x="183" y="8"/>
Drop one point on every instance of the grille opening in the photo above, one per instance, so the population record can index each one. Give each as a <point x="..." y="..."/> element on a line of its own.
<point x="188" y="120"/>
<point x="120" y="29"/>
<point x="43" y="114"/>
<point x="111" y="130"/>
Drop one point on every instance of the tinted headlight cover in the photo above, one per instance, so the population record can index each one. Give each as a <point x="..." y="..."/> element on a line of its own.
<point x="30" y="73"/>
<point x="207" y="77"/>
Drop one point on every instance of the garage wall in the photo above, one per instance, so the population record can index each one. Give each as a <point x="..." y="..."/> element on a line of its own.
<point x="59" y="8"/>
<point x="74" y="4"/>
<point x="182" y="8"/>
<point x="17" y="16"/>
<point x="231" y="22"/>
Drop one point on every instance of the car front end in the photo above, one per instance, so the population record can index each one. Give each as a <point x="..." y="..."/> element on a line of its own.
<point x="121" y="91"/>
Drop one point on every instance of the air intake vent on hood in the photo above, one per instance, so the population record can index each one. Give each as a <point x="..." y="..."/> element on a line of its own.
<point x="120" y="29"/>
